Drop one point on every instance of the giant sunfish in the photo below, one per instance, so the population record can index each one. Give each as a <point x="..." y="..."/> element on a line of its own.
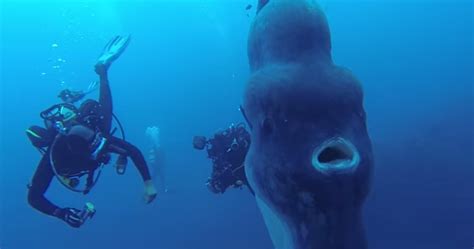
<point x="310" y="160"/>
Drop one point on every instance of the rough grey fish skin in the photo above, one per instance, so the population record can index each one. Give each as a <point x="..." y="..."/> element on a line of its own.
<point x="310" y="160"/>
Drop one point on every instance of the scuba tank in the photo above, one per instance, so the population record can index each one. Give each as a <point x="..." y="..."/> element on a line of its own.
<point x="90" y="114"/>
<point x="80" y="152"/>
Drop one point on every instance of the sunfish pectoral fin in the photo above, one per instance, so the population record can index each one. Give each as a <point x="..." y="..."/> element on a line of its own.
<point x="278" y="231"/>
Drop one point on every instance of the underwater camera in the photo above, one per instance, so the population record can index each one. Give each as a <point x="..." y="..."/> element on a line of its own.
<point x="87" y="212"/>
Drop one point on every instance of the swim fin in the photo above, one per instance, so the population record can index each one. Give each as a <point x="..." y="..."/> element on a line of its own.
<point x="114" y="48"/>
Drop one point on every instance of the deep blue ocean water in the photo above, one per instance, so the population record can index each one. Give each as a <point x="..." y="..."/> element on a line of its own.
<point x="185" y="71"/>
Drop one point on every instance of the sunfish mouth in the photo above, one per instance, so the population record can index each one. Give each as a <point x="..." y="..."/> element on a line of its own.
<point x="335" y="156"/>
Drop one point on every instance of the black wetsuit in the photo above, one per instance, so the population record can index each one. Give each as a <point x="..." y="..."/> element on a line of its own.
<point x="44" y="173"/>
<point x="228" y="164"/>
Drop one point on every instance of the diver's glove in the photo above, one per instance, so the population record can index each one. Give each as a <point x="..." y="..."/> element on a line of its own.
<point x="150" y="192"/>
<point x="69" y="215"/>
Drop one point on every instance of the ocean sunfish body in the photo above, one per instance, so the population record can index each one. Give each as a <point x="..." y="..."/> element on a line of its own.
<point x="310" y="160"/>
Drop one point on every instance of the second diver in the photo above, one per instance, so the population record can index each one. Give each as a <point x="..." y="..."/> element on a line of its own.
<point x="77" y="141"/>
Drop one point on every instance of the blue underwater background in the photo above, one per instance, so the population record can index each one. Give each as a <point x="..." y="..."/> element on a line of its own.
<point x="185" y="71"/>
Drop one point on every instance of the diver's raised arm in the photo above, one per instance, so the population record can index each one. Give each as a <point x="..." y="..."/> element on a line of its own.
<point x="112" y="51"/>
<point x="105" y="97"/>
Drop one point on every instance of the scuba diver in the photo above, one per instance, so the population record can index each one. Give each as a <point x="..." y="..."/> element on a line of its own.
<point x="156" y="157"/>
<point x="77" y="142"/>
<point x="227" y="150"/>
